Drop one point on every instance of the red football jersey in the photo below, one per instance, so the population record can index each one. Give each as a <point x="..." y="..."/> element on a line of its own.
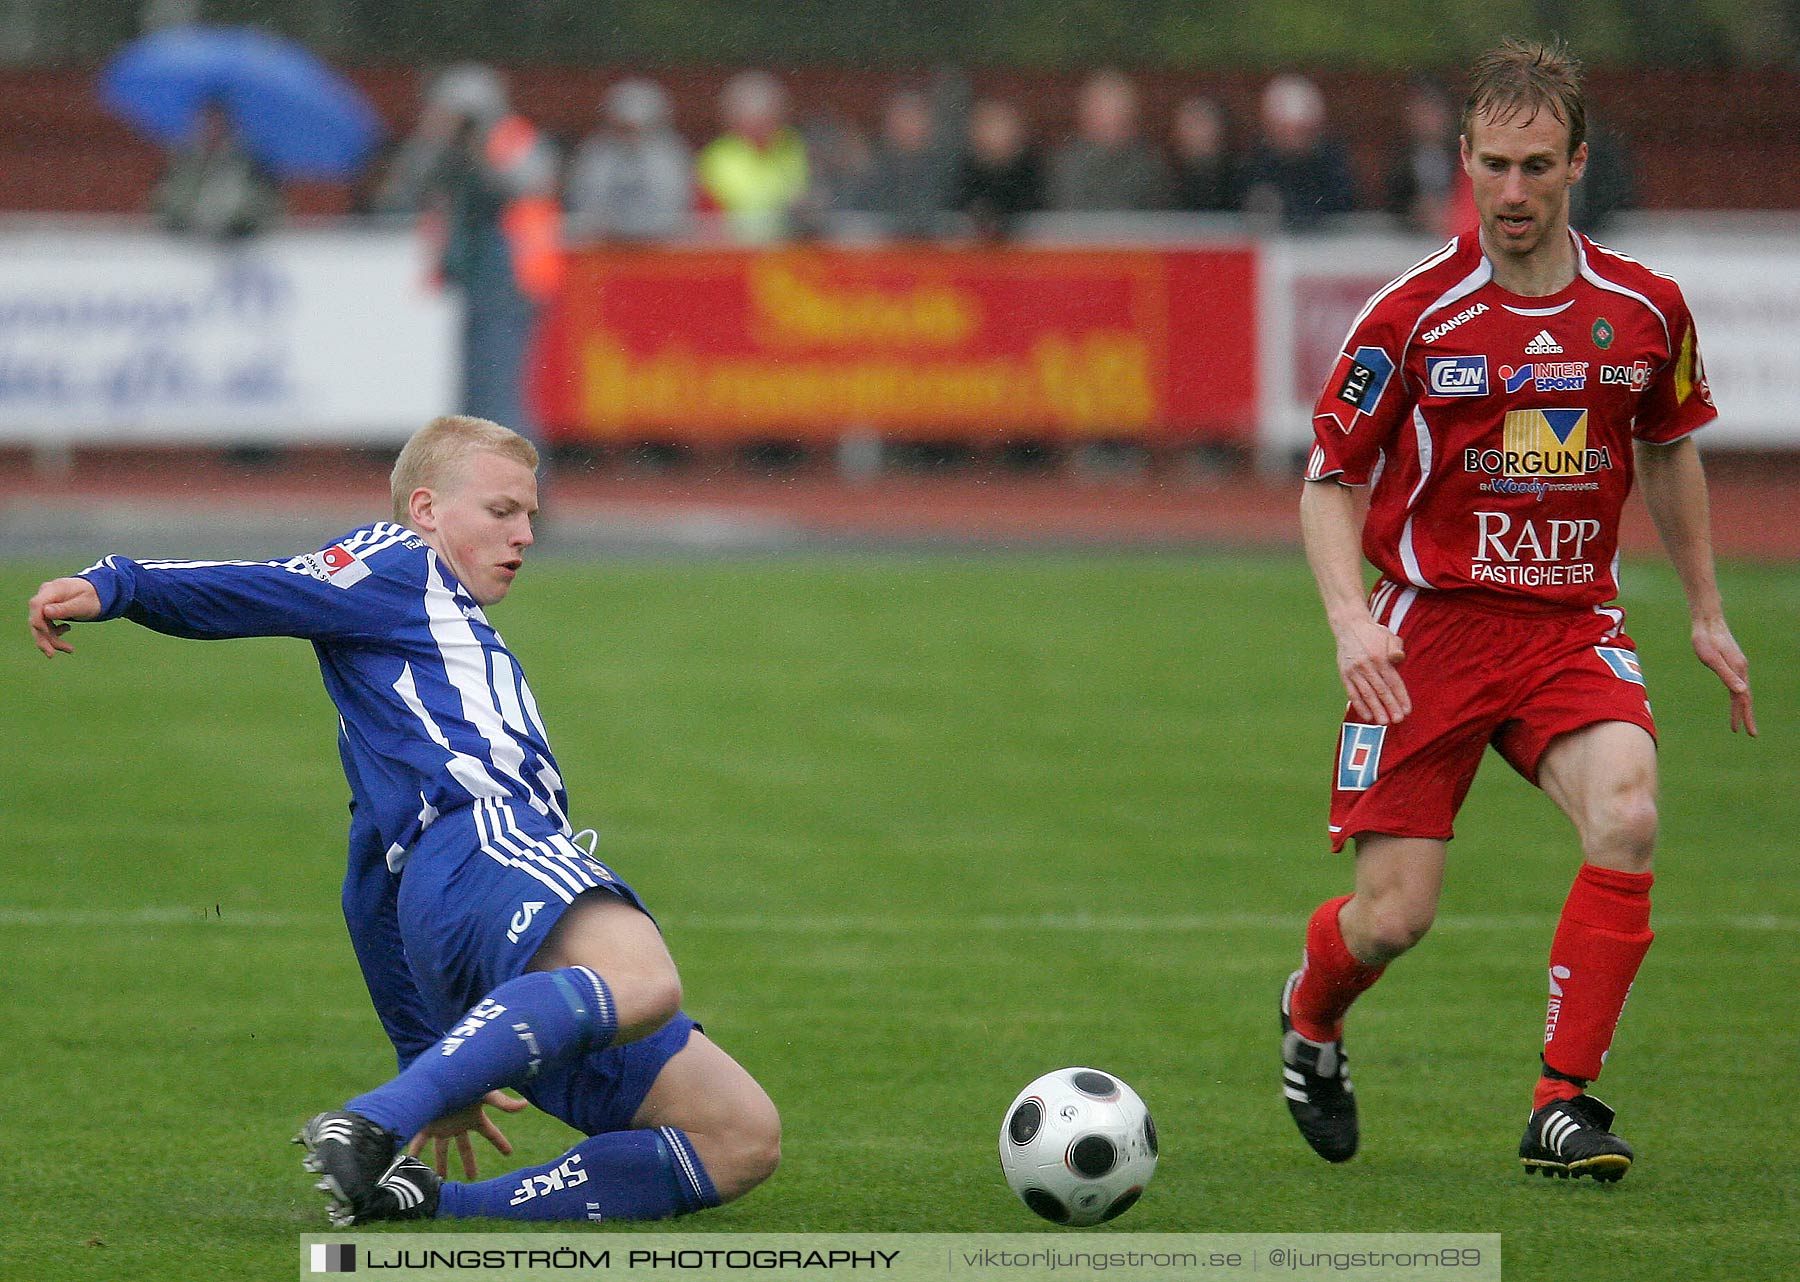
<point x="1497" y="429"/>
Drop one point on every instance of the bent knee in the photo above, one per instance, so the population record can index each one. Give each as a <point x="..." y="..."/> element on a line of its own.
<point x="1622" y="834"/>
<point x="1389" y="930"/>
<point x="741" y="1156"/>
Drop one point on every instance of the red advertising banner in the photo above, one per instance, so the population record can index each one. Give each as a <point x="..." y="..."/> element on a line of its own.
<point x="923" y="342"/>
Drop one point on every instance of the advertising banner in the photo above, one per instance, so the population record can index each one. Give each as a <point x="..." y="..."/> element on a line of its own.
<point x="924" y="342"/>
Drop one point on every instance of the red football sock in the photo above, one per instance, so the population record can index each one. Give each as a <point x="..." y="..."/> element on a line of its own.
<point x="1600" y="942"/>
<point x="1331" y="977"/>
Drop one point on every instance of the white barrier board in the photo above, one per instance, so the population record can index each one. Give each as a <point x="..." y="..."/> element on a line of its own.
<point x="121" y="337"/>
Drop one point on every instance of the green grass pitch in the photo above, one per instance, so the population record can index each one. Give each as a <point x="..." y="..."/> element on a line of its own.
<point x="918" y="830"/>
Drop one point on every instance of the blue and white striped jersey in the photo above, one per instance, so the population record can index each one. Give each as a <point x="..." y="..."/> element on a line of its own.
<point x="433" y="709"/>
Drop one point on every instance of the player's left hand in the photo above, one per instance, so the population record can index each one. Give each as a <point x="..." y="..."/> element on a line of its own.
<point x="457" y="1127"/>
<point x="1719" y="650"/>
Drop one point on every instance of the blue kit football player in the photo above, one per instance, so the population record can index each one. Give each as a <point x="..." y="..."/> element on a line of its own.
<point x="498" y="951"/>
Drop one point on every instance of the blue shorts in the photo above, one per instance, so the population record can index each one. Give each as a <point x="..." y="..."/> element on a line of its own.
<point x="478" y="895"/>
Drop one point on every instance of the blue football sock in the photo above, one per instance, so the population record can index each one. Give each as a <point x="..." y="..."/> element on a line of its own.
<point x="539" y="1020"/>
<point x="621" y="1175"/>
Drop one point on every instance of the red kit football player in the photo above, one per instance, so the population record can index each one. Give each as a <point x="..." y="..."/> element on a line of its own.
<point x="1498" y="399"/>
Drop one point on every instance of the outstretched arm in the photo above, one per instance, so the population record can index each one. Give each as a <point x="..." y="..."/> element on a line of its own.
<point x="327" y="595"/>
<point x="57" y="604"/>
<point x="1675" y="491"/>
<point x="1368" y="654"/>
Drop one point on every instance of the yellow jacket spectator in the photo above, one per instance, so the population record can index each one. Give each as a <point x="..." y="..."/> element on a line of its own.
<point x="756" y="172"/>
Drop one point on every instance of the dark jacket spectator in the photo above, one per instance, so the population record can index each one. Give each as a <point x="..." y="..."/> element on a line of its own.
<point x="1424" y="186"/>
<point x="909" y="181"/>
<point x="1002" y="176"/>
<point x="1296" y="174"/>
<point x="1607" y="185"/>
<point x="1107" y="165"/>
<point x="1207" y="175"/>
<point x="483" y="179"/>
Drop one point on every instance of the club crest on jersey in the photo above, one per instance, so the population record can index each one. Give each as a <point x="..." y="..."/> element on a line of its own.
<point x="1359" y="756"/>
<point x="1456" y="375"/>
<point x="1624" y="663"/>
<point x="1365" y="374"/>
<point x="338" y="565"/>
<point x="1603" y="333"/>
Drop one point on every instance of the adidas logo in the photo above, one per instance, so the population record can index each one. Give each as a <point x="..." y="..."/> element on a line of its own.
<point x="1543" y="345"/>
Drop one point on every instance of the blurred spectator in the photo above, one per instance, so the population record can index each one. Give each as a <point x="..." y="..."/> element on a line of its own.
<point x="1296" y="173"/>
<point x="1607" y="186"/>
<point x="1002" y="176"/>
<point x="1425" y="186"/>
<point x="212" y="187"/>
<point x="909" y="176"/>
<point x="838" y="159"/>
<point x="756" y="172"/>
<point x="633" y="178"/>
<point x="1207" y="175"/>
<point x="484" y="180"/>
<point x="1106" y="165"/>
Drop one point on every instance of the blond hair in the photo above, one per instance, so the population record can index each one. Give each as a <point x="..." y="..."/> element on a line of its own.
<point x="1527" y="76"/>
<point x="439" y="448"/>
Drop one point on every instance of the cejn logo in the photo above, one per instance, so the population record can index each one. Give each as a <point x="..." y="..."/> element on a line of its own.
<point x="1456" y="375"/>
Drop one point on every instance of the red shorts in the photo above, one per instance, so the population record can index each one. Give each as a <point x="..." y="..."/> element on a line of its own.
<point x="1478" y="675"/>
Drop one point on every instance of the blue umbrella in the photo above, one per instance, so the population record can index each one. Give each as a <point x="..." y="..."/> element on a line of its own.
<point x="292" y="113"/>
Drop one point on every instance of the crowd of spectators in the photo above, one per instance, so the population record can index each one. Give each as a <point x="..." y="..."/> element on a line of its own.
<point x="940" y="161"/>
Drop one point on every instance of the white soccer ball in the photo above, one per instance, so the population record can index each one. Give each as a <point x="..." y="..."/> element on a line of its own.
<point x="1078" y="1146"/>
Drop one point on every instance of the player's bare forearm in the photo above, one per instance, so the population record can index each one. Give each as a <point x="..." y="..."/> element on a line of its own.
<point x="54" y="606"/>
<point x="1674" y="484"/>
<point x="1367" y="653"/>
<point x="1334" y="550"/>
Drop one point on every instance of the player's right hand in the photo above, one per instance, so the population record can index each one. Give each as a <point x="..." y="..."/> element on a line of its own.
<point x="57" y="604"/>
<point x="457" y="1127"/>
<point x="1368" y="661"/>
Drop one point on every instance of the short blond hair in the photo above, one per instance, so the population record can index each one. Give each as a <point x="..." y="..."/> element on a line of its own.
<point x="439" y="448"/>
<point x="1523" y="77"/>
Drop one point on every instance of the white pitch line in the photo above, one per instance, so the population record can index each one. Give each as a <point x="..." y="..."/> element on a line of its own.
<point x="898" y="924"/>
<point x="113" y="918"/>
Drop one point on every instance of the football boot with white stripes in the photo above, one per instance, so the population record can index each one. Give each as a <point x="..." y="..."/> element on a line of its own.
<point x="1573" y="1137"/>
<point x="408" y="1190"/>
<point x="359" y="1173"/>
<point x="1315" y="1078"/>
